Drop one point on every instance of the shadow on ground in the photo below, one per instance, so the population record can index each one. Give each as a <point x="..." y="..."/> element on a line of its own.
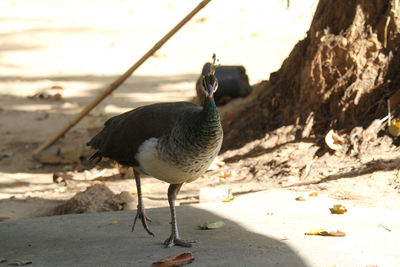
<point x="94" y="240"/>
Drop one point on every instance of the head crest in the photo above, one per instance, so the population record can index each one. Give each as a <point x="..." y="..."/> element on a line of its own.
<point x="210" y="82"/>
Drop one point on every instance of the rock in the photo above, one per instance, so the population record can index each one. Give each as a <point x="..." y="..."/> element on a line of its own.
<point x="97" y="198"/>
<point x="125" y="201"/>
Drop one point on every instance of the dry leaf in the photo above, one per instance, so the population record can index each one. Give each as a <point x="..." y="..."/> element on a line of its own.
<point x="335" y="233"/>
<point x="322" y="176"/>
<point x="2" y="219"/>
<point x="216" y="164"/>
<point x="333" y="140"/>
<point x="323" y="232"/>
<point x="225" y="174"/>
<point x="313" y="194"/>
<point x="213" y="225"/>
<point x="115" y="222"/>
<point x="60" y="178"/>
<point x="338" y="209"/>
<point x="300" y="198"/>
<point x="174" y="260"/>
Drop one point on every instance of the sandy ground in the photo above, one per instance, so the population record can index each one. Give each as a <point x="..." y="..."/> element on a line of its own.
<point x="77" y="49"/>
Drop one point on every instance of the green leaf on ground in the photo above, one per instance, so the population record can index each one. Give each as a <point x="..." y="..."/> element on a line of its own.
<point x="22" y="262"/>
<point x="213" y="225"/>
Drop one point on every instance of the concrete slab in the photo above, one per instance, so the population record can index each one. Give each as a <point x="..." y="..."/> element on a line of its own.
<point x="262" y="229"/>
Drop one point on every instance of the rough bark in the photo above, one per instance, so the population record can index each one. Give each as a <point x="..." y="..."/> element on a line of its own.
<point x="339" y="76"/>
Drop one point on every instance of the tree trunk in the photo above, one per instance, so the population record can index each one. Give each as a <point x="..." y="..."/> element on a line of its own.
<point x="339" y="76"/>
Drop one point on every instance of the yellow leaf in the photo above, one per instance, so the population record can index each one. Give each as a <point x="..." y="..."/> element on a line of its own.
<point x="316" y="232"/>
<point x="394" y="127"/>
<point x="228" y="199"/>
<point x="115" y="222"/>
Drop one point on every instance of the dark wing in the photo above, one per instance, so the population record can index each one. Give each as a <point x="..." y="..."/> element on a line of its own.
<point x="123" y="134"/>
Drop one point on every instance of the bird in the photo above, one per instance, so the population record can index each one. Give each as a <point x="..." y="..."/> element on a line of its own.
<point x="174" y="142"/>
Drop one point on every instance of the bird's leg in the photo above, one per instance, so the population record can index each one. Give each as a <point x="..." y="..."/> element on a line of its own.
<point x="174" y="239"/>
<point x="140" y="214"/>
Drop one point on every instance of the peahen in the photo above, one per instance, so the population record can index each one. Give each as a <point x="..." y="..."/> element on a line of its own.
<point x="173" y="142"/>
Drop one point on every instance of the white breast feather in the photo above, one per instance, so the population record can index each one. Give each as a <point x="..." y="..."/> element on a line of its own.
<point x="152" y="165"/>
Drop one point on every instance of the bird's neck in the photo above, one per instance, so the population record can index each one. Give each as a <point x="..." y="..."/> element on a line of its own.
<point x="210" y="113"/>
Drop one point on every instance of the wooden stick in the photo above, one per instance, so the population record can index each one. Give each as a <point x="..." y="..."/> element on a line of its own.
<point x="121" y="79"/>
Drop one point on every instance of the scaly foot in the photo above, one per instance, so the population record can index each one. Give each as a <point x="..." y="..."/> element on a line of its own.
<point x="142" y="216"/>
<point x="140" y="207"/>
<point x="175" y="241"/>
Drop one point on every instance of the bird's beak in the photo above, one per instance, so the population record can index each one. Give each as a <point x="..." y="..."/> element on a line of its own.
<point x="210" y="90"/>
<point x="210" y="85"/>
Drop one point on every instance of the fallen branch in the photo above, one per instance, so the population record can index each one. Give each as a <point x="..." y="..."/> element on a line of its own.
<point x="121" y="79"/>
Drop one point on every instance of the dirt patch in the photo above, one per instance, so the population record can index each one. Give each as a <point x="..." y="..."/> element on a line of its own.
<point x="339" y="76"/>
<point x="272" y="140"/>
<point x="278" y="160"/>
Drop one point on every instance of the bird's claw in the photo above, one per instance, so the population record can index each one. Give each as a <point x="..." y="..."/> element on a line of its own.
<point x="174" y="241"/>
<point x="142" y="216"/>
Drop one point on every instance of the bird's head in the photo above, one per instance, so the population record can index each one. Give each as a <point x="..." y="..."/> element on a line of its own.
<point x="209" y="84"/>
